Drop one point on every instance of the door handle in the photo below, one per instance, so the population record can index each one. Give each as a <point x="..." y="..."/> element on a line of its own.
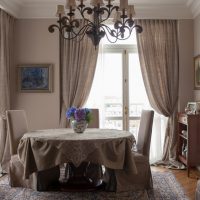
<point x="126" y="110"/>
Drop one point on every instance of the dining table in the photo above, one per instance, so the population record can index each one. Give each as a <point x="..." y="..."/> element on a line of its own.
<point x="42" y="149"/>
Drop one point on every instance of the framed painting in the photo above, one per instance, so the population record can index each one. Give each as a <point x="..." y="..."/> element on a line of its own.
<point x="35" y="78"/>
<point x="197" y="73"/>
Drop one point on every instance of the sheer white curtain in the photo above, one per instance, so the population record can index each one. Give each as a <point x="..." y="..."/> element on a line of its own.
<point x="158" y="135"/>
<point x="96" y="100"/>
<point x="96" y="96"/>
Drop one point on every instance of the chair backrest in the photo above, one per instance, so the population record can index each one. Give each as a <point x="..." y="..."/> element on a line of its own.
<point x="145" y="131"/>
<point x="17" y="126"/>
<point x="95" y="119"/>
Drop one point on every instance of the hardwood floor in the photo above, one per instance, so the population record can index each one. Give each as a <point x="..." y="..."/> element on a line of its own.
<point x="189" y="184"/>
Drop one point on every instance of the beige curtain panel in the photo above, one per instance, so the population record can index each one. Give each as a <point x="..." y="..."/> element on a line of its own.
<point x="6" y="57"/>
<point x="78" y="64"/>
<point x="158" y="54"/>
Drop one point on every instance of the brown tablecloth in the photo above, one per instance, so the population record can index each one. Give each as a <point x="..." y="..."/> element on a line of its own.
<point x="43" y="149"/>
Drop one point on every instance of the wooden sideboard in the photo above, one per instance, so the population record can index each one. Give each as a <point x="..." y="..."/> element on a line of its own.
<point x="188" y="150"/>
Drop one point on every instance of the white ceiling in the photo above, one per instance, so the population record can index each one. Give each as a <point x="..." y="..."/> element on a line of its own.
<point x="167" y="9"/>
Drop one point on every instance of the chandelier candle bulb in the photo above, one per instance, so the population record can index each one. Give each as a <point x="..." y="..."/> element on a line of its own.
<point x="60" y="10"/>
<point x="123" y="4"/>
<point x="117" y="17"/>
<point x="96" y="2"/>
<point x="70" y="4"/>
<point x="81" y="1"/>
<point x="93" y="2"/>
<point x="131" y="11"/>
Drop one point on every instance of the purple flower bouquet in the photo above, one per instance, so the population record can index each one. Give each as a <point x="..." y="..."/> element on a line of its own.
<point x="80" y="117"/>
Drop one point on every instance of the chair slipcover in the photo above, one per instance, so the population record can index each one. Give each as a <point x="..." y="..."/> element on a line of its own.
<point x="143" y="179"/>
<point x="39" y="181"/>
<point x="17" y="126"/>
<point x="141" y="154"/>
<point x="94" y="171"/>
<point x="144" y="133"/>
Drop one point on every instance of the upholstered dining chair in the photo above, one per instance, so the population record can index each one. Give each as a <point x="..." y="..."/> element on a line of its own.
<point x="95" y="119"/>
<point x="141" y="153"/>
<point x="143" y="179"/>
<point x="17" y="126"/>
<point x="94" y="171"/>
<point x="145" y="132"/>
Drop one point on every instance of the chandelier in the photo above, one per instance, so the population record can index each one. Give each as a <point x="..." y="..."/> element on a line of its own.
<point x="93" y="22"/>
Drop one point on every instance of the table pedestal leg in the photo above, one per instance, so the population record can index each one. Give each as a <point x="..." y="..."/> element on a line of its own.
<point x="78" y="178"/>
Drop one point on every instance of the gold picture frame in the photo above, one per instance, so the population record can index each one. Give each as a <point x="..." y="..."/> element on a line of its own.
<point x="35" y="77"/>
<point x="197" y="72"/>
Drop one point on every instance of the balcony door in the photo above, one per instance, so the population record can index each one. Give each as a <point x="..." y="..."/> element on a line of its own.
<point x="118" y="89"/>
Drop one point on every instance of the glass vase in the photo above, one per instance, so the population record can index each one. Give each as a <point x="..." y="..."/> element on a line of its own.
<point x="79" y="126"/>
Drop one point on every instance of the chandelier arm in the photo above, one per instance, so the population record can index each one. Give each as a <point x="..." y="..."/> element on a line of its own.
<point x="81" y="32"/>
<point x="126" y="37"/>
<point x="131" y="24"/>
<point x="138" y="28"/>
<point x="79" y="38"/>
<point x="83" y="10"/>
<point x="82" y="36"/>
<point x="105" y="27"/>
<point x="106" y="11"/>
<point x="110" y="31"/>
<point x="64" y="20"/>
<point x="117" y="34"/>
<point x="109" y="11"/>
<point x="121" y="35"/>
<point x="53" y="27"/>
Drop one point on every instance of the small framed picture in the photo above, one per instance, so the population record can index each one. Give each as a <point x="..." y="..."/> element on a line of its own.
<point x="192" y="108"/>
<point x="35" y="78"/>
<point x="197" y="73"/>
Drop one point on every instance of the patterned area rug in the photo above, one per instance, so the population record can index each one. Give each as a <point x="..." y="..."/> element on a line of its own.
<point x="165" y="187"/>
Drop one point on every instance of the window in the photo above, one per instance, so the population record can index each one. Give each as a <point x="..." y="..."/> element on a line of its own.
<point x="118" y="90"/>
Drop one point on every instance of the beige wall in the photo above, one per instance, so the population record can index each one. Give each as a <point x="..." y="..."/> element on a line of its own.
<point x="35" y="45"/>
<point x="197" y="48"/>
<point x="186" y="46"/>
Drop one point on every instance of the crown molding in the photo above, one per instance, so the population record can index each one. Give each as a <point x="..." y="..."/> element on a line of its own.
<point x="150" y="11"/>
<point x="194" y="6"/>
<point x="47" y="9"/>
<point x="12" y="7"/>
<point x="164" y="11"/>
